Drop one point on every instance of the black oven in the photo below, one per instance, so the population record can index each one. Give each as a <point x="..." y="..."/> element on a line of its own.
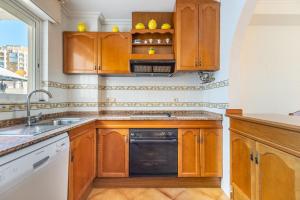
<point x="153" y="152"/>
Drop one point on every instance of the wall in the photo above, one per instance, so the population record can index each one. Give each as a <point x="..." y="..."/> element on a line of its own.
<point x="270" y="68"/>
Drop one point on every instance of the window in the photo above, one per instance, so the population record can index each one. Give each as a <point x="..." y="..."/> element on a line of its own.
<point x="19" y="49"/>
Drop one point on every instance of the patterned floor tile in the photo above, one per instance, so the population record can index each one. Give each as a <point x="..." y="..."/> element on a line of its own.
<point x="171" y="192"/>
<point x="151" y="194"/>
<point x="158" y="194"/>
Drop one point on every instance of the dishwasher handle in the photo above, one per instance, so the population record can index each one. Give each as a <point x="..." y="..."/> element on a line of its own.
<point x="153" y="141"/>
<point x="41" y="162"/>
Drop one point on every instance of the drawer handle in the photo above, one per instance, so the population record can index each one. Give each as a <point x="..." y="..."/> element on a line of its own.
<point x="40" y="163"/>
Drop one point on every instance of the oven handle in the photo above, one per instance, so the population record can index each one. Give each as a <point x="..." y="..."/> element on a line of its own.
<point x="153" y="141"/>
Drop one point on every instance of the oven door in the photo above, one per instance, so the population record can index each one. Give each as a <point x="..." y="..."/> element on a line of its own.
<point x="153" y="157"/>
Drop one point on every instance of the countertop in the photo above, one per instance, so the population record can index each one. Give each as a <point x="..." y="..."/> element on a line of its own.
<point x="9" y="144"/>
<point x="275" y="120"/>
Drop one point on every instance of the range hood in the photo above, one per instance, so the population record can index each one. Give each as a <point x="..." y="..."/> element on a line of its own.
<point x="152" y="67"/>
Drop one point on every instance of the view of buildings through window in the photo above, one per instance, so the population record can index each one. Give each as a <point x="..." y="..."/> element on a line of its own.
<point x="14" y="64"/>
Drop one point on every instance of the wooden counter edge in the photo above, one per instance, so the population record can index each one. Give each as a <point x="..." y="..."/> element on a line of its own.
<point x="239" y="115"/>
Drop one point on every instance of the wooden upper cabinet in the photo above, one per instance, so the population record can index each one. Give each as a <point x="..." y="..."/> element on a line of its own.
<point x="242" y="167"/>
<point x="211" y="153"/>
<point x="188" y="152"/>
<point x="113" y="153"/>
<point x="115" y="51"/>
<point x="80" y="53"/>
<point x="187" y="36"/>
<point x="279" y="174"/>
<point x="209" y="35"/>
<point x="198" y="35"/>
<point x="82" y="167"/>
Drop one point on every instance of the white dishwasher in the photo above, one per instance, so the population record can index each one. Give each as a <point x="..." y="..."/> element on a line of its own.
<point x="38" y="172"/>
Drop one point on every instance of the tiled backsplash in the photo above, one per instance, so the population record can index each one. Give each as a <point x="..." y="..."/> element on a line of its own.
<point x="181" y="92"/>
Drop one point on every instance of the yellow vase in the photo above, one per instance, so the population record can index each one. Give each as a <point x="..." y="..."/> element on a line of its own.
<point x="115" y="29"/>
<point x="166" y="26"/>
<point x="151" y="51"/>
<point x="139" y="26"/>
<point x="81" y="27"/>
<point x="152" y="24"/>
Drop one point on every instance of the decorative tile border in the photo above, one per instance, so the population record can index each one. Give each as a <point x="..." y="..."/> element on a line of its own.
<point x="58" y="85"/>
<point x="215" y="85"/>
<point x="209" y="86"/>
<point x="153" y="88"/>
<point x="34" y="106"/>
<point x="37" y="106"/>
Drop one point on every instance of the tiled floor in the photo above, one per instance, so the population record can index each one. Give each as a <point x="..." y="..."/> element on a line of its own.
<point x="158" y="194"/>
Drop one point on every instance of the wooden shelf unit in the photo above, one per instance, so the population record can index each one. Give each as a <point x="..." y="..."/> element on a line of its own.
<point x="163" y="50"/>
<point x="156" y="44"/>
<point x="152" y="57"/>
<point x="145" y="31"/>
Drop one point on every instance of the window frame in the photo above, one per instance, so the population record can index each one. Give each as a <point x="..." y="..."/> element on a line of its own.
<point x="35" y="46"/>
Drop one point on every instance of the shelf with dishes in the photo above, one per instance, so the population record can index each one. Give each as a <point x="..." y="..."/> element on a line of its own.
<point x="152" y="42"/>
<point x="156" y="41"/>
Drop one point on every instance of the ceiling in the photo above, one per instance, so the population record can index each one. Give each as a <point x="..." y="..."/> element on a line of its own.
<point x="117" y="9"/>
<point x="290" y="7"/>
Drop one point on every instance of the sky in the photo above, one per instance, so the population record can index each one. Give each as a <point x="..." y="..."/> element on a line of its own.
<point x="13" y="32"/>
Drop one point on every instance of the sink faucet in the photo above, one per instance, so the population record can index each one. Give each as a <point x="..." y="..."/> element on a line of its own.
<point x="29" y="118"/>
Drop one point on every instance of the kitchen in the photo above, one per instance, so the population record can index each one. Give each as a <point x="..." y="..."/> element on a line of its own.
<point x="130" y="100"/>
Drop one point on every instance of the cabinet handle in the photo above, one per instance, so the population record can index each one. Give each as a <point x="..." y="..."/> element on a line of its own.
<point x="99" y="68"/>
<point x="199" y="63"/>
<point x="251" y="157"/>
<point x="95" y="68"/>
<point x="72" y="157"/>
<point x="257" y="159"/>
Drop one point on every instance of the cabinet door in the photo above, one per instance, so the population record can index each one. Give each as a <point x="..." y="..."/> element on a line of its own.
<point x="80" y="53"/>
<point x="242" y="168"/>
<point x="209" y="35"/>
<point x="113" y="153"/>
<point x="115" y="51"/>
<point x="82" y="164"/>
<point x="278" y="174"/>
<point x="211" y="153"/>
<point x="186" y="36"/>
<point x="188" y="152"/>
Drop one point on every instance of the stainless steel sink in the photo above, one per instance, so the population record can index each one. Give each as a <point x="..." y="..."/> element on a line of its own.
<point x="60" y="122"/>
<point x="38" y="128"/>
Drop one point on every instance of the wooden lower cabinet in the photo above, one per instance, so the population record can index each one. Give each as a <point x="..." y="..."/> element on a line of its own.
<point x="82" y="166"/>
<point x="188" y="153"/>
<point x="113" y="152"/>
<point x="211" y="152"/>
<point x="200" y="152"/>
<point x="242" y="167"/>
<point x="278" y="174"/>
<point x="261" y="172"/>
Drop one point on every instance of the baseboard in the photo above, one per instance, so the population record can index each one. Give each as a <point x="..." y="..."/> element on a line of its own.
<point x="157" y="182"/>
<point x="87" y="192"/>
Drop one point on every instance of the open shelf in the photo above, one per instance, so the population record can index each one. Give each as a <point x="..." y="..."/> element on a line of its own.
<point x="162" y="44"/>
<point x="152" y="57"/>
<point x="147" y="31"/>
